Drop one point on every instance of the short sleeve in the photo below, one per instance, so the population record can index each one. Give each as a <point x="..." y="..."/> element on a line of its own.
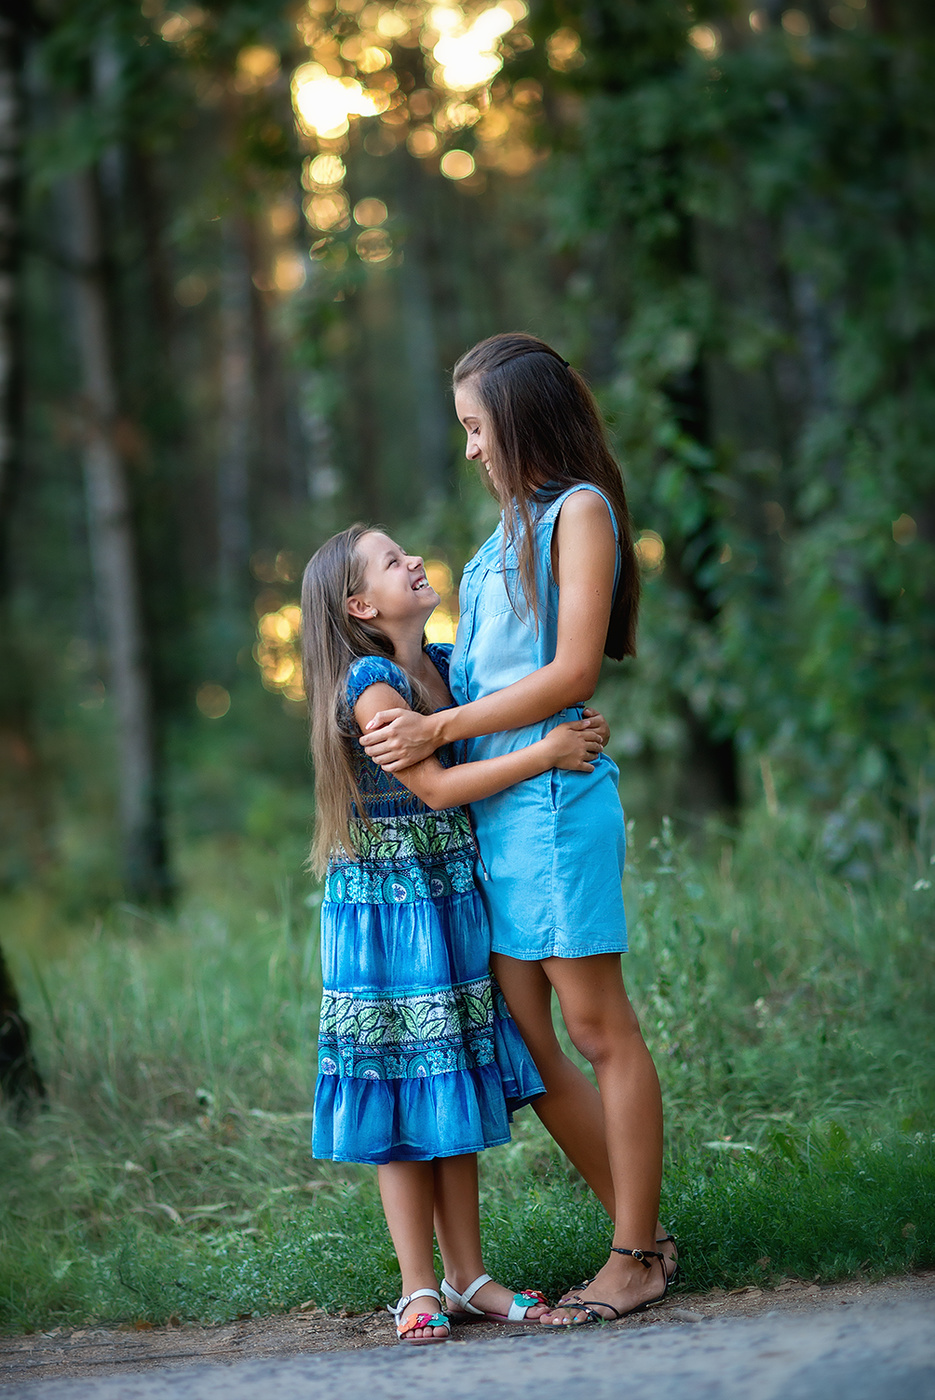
<point x="374" y="670"/>
<point x="440" y="656"/>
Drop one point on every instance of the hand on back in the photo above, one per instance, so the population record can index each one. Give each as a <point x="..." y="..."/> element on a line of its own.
<point x="574" y="746"/>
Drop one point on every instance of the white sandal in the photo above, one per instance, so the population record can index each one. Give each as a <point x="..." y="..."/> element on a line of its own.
<point x="461" y="1302"/>
<point x="438" y="1319"/>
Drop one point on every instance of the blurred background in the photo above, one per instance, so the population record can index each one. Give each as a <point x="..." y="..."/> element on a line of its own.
<point x="242" y="243"/>
<point x="241" y="246"/>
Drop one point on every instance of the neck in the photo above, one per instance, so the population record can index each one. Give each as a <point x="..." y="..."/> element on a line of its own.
<point x="407" y="644"/>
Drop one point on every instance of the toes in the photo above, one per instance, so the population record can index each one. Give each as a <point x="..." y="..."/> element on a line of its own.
<point x="563" y="1317"/>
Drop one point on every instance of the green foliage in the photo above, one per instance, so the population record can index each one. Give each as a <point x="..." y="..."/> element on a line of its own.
<point x="790" y="1016"/>
<point x="757" y="225"/>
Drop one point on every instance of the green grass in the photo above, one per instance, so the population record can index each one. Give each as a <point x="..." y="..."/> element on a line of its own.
<point x="790" y="1014"/>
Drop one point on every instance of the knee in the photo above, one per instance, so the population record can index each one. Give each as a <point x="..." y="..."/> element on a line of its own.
<point x="602" y="1038"/>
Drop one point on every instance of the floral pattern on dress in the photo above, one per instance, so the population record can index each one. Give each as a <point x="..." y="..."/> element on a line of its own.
<point x="409" y="1036"/>
<point x="422" y="855"/>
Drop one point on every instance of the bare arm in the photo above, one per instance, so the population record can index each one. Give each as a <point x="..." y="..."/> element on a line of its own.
<point x="586" y="551"/>
<point x="568" y="746"/>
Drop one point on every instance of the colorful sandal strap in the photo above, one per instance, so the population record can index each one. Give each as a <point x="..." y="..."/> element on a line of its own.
<point x="422" y="1320"/>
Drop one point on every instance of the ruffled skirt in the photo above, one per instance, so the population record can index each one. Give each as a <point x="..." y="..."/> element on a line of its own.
<point x="418" y="1056"/>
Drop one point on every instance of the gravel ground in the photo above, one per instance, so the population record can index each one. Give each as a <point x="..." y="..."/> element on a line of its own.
<point x="797" y="1342"/>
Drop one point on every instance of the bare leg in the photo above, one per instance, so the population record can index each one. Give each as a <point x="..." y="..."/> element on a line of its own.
<point x="570" y="1109"/>
<point x="603" y="1027"/>
<point x="457" y="1227"/>
<point x="408" y="1193"/>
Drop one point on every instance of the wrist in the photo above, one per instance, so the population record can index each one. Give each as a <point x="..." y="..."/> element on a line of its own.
<point x="441" y="728"/>
<point x="544" y="753"/>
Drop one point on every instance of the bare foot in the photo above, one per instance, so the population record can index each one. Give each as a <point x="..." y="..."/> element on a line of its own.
<point x="665" y="1243"/>
<point x="493" y="1298"/>
<point x="622" y="1286"/>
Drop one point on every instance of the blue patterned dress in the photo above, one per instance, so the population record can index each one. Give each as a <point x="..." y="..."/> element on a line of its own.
<point x="417" y="1054"/>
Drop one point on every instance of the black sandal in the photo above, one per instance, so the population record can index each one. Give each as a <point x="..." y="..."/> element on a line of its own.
<point x="642" y="1256"/>
<point x="677" y="1271"/>
<point x="673" y="1278"/>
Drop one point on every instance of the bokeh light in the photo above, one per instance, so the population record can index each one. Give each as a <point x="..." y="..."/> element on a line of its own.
<point x="328" y="211"/>
<point x="904" y="529"/>
<point x="323" y="173"/>
<point x="443" y="623"/>
<point x="374" y="245"/>
<point x="191" y="290"/>
<point x="213" y="701"/>
<point x="706" y="39"/>
<point x="651" y="552"/>
<point x="277" y="651"/>
<point x="422" y="141"/>
<point x="796" y="23"/>
<point x="324" y="103"/>
<point x="257" y="67"/>
<point x="563" y="50"/>
<point x="457" y="165"/>
<point x="368" y="213"/>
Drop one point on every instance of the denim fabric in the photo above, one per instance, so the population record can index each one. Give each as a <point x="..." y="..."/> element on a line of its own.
<point x="553" y="846"/>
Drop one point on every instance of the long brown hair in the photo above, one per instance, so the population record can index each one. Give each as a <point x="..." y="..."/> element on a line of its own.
<point x="549" y="435"/>
<point x="331" y="640"/>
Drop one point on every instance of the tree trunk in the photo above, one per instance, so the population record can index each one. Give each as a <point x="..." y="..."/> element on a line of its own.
<point x="421" y="345"/>
<point x="23" y="817"/>
<point x="20" y="1081"/>
<point x="114" y="552"/>
<point x="233" y="487"/>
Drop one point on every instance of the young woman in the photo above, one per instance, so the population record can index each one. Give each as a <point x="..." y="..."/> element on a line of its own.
<point x="554" y="588"/>
<point x="419" y="1062"/>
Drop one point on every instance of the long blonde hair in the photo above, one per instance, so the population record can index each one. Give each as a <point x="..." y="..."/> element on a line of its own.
<point x="331" y="641"/>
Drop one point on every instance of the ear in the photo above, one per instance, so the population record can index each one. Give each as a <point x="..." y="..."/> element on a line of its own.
<point x="358" y="607"/>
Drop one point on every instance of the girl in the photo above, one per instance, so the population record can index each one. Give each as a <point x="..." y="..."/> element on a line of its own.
<point x="554" y="588"/>
<point x="419" y="1061"/>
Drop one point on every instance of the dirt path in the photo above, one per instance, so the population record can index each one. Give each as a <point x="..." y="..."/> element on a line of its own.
<point x="32" y="1362"/>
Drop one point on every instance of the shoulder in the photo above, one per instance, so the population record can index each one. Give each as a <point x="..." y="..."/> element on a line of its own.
<point x="585" y="510"/>
<point x="366" y="671"/>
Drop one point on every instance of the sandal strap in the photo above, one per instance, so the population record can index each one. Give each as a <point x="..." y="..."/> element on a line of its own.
<point x="423" y="1320"/>
<point x="468" y="1294"/>
<point x="590" y="1304"/>
<point x="642" y="1256"/>
<point x="404" y="1302"/>
<point x="522" y="1302"/>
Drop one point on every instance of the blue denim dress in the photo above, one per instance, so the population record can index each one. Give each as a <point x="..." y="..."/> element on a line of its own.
<point x="418" y="1056"/>
<point x="553" y="846"/>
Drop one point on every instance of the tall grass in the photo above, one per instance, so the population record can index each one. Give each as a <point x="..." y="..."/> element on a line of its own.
<point x="790" y="1014"/>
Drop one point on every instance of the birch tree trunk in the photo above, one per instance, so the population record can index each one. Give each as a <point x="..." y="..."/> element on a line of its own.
<point x="114" y="553"/>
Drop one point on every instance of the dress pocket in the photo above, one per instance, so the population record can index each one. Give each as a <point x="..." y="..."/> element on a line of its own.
<point x="499" y="591"/>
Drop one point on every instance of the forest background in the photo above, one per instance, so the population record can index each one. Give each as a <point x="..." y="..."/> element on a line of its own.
<point x="241" y="246"/>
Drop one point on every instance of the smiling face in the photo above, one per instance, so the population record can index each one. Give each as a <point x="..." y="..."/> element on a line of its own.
<point x="475" y="420"/>
<point x="395" y="589"/>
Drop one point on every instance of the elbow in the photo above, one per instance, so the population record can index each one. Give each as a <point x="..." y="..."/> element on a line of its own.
<point x="580" y="685"/>
<point x="431" y="795"/>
